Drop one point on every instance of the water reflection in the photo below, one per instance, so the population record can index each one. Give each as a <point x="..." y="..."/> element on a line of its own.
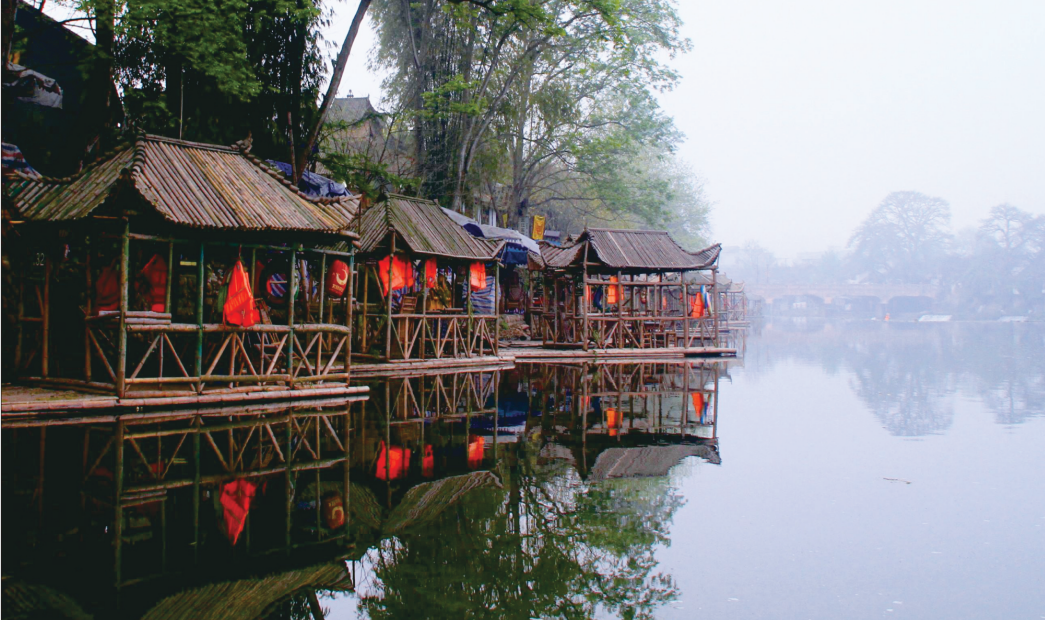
<point x="540" y="491"/>
<point x="906" y="372"/>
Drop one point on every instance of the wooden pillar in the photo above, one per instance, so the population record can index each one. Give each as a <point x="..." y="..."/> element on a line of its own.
<point x="45" y="320"/>
<point x="292" y="293"/>
<point x="90" y="310"/>
<point x="424" y="305"/>
<point x="349" y="302"/>
<point x="714" y="303"/>
<point x="170" y="277"/>
<point x="322" y="284"/>
<point x="125" y="256"/>
<point x="200" y="288"/>
<point x="685" y="312"/>
<point x="118" y="502"/>
<point x="497" y="308"/>
<point x="584" y="297"/>
<point x="388" y="298"/>
<point x="196" y="475"/>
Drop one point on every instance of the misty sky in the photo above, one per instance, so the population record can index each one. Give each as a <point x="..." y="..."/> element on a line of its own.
<point x="801" y="116"/>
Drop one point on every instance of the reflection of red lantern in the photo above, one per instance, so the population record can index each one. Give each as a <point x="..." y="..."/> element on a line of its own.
<point x="333" y="512"/>
<point x="475" y="451"/>
<point x="337" y="278"/>
<point x="428" y="463"/>
<point x="392" y="462"/>
<point x="614" y="419"/>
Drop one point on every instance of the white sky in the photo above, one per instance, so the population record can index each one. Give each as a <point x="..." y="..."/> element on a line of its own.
<point x="803" y="115"/>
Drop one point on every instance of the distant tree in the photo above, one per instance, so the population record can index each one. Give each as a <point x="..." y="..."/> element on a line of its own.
<point x="1009" y="227"/>
<point x="903" y="238"/>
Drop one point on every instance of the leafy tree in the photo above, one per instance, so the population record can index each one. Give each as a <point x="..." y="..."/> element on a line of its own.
<point x="902" y="238"/>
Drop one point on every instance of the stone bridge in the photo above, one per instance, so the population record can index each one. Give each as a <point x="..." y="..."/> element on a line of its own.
<point x="884" y="292"/>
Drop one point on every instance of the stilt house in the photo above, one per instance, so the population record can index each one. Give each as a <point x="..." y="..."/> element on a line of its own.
<point x="626" y="289"/>
<point x="428" y="289"/>
<point x="172" y="268"/>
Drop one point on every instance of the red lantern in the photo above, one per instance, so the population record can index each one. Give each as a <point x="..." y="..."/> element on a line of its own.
<point x="337" y="278"/>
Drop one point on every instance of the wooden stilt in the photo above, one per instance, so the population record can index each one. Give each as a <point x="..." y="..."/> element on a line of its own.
<point x="125" y="256"/>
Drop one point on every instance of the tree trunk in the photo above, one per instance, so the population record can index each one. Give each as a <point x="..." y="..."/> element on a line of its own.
<point x="328" y="98"/>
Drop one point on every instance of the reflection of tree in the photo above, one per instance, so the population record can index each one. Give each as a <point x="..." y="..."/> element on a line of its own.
<point x="546" y="545"/>
<point x="906" y="372"/>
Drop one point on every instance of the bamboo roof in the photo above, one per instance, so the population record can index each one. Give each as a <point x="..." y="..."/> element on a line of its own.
<point x="246" y="598"/>
<point x="649" y="461"/>
<point x="187" y="183"/>
<point x="421" y="228"/>
<point x="648" y="250"/>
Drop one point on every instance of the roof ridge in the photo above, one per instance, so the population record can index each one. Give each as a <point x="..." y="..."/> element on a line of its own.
<point x="150" y="137"/>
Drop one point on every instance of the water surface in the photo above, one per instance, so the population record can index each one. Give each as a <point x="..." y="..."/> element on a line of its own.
<point x="835" y="470"/>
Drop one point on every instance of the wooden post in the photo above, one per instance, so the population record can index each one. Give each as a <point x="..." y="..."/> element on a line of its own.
<point x="496" y="309"/>
<point x="118" y="502"/>
<point x="714" y="304"/>
<point x="90" y="311"/>
<point x="322" y="284"/>
<point x="584" y="296"/>
<point x="366" y="301"/>
<point x="196" y="475"/>
<point x="685" y="312"/>
<point x="200" y="276"/>
<point x="388" y="298"/>
<point x="620" y="307"/>
<point x="349" y="303"/>
<point x="424" y="307"/>
<point x="45" y="314"/>
<point x="125" y="256"/>
<point x="292" y="294"/>
<point x="170" y="277"/>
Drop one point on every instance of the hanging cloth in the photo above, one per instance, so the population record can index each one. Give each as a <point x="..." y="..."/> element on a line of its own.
<point x="698" y="402"/>
<point x="402" y="273"/>
<point x="477" y="276"/>
<point x="107" y="290"/>
<point x="475" y="451"/>
<point x="696" y="305"/>
<point x="235" y="500"/>
<point x="337" y="279"/>
<point x="155" y="272"/>
<point x="392" y="462"/>
<point x="431" y="273"/>
<point x="240" y="307"/>
<point x="613" y="295"/>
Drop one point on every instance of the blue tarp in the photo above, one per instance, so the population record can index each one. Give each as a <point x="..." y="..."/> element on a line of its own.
<point x="516" y="244"/>
<point x="312" y="183"/>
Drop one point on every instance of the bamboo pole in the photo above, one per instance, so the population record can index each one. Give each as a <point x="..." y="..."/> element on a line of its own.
<point x="90" y="308"/>
<point x="714" y="303"/>
<point x="170" y="277"/>
<point x="388" y="298"/>
<point x="45" y="313"/>
<point x="118" y="502"/>
<point x="200" y="275"/>
<point x="497" y="308"/>
<point x="349" y="305"/>
<point x="125" y="256"/>
<point x="292" y="290"/>
<point x="585" y="301"/>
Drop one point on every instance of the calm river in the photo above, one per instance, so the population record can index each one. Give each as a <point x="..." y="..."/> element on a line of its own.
<point x="834" y="470"/>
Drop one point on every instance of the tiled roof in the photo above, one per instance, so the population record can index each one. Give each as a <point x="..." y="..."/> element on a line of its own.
<point x="188" y="183"/>
<point x="424" y="229"/>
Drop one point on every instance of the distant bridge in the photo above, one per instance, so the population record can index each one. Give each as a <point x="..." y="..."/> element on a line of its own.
<point x="885" y="292"/>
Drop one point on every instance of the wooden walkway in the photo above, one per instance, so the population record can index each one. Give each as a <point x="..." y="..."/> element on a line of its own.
<point x="19" y="400"/>
<point x="22" y="402"/>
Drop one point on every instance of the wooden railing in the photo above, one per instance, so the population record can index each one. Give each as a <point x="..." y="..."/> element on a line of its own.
<point x="607" y="331"/>
<point x="435" y="336"/>
<point x="172" y="359"/>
